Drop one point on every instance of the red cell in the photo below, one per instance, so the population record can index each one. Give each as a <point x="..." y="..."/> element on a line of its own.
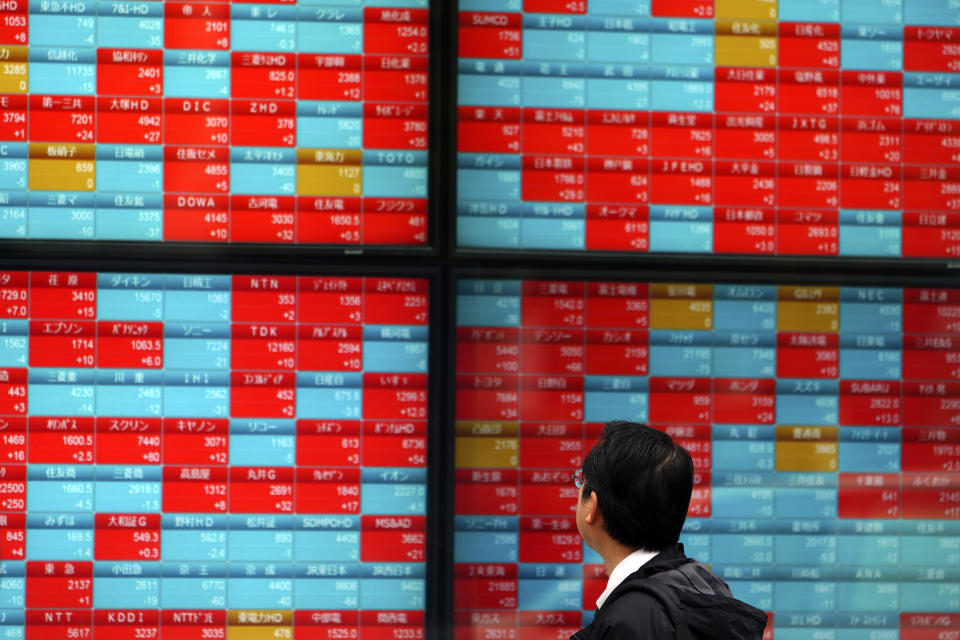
<point x="553" y="304"/>
<point x="263" y="123"/>
<point x="871" y="140"/>
<point x="328" y="443"/>
<point x="195" y="441"/>
<point x="486" y="586"/>
<point x="129" y="345"/>
<point x="742" y="230"/>
<point x="870" y="403"/>
<point x="547" y="493"/>
<point x="931" y="310"/>
<point x="392" y="78"/>
<point x="930" y="450"/>
<point x="807" y="185"/>
<point x="128" y="440"/>
<point x="331" y="300"/>
<point x="62" y="343"/>
<point x="329" y="77"/>
<point x="808" y="355"/>
<point x="931" y="188"/>
<point x="545" y="625"/>
<point x="192" y="121"/>
<point x="396" y="301"/>
<point x="617" y="227"/>
<point x="682" y="182"/>
<point x="389" y="625"/>
<point x="680" y="400"/>
<point x="927" y="626"/>
<point x="745" y="183"/>
<point x="62" y="118"/>
<point x="130" y="72"/>
<point x="594" y="583"/>
<point x="872" y="93"/>
<point x="617" y="305"/>
<point x="620" y="180"/>
<point x="395" y="31"/>
<point x="393" y="539"/>
<point x="329" y="220"/>
<point x="395" y="443"/>
<point x="395" y="396"/>
<point x="931" y="496"/>
<point x="262" y="218"/>
<point x="488" y="349"/>
<point x="13" y="526"/>
<point x="931" y="141"/>
<point x="194" y="489"/>
<point x="263" y="394"/>
<point x="405" y="224"/>
<point x="869" y="496"/>
<point x="551" y="398"/>
<point x="13" y="430"/>
<point x="552" y="6"/>
<point x="931" y="48"/>
<point x="326" y="490"/>
<point x="870" y="187"/>
<point x="126" y="625"/>
<point x="129" y="120"/>
<point x="746" y="136"/>
<point x="618" y="133"/>
<point x="395" y="126"/>
<point x="490" y="35"/>
<point x="809" y="45"/>
<point x="809" y="92"/>
<point x="196" y="25"/>
<point x="544" y="539"/>
<point x="554" y="178"/>
<point x="681" y="135"/>
<point x="931" y="404"/>
<point x="930" y="235"/>
<point x="58" y="584"/>
<point x="486" y="492"/>
<point x="56" y="440"/>
<point x="329" y="348"/>
<point x="193" y="624"/>
<point x="198" y="218"/>
<point x="815" y="139"/>
<point x="263" y="299"/>
<point x="549" y="131"/>
<point x="613" y="352"/>
<point x="745" y="90"/>
<point x="744" y="401"/>
<point x="14" y="123"/>
<point x="550" y="444"/>
<point x="196" y="170"/>
<point x="261" y="490"/>
<point x="13" y="400"/>
<point x="323" y="625"/>
<point x="270" y="76"/>
<point x="552" y="351"/>
<point x="488" y="129"/>
<point x="682" y="8"/>
<point x="120" y="536"/>
<point x="931" y="357"/>
<point x="59" y="624"/>
<point x="14" y="23"/>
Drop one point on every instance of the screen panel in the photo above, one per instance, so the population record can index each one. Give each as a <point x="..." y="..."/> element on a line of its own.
<point x="215" y="121"/>
<point x="212" y="456"/>
<point x="822" y="422"/>
<point x="764" y="127"/>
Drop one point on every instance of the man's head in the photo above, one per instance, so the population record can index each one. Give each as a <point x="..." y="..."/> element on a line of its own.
<point x="640" y="481"/>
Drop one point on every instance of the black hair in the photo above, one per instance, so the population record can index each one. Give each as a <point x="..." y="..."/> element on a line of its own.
<point x="643" y="481"/>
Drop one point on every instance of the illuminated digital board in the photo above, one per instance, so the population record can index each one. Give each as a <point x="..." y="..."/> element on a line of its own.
<point x="210" y="456"/>
<point x="823" y="422"/>
<point x="214" y="121"/>
<point x="766" y="127"/>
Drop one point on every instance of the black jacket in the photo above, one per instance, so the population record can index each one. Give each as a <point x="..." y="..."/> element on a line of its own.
<point x="670" y="591"/>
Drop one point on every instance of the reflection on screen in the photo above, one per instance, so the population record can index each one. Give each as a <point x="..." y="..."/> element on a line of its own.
<point x="710" y="126"/>
<point x="824" y="425"/>
<point x="208" y="456"/>
<point x="281" y="121"/>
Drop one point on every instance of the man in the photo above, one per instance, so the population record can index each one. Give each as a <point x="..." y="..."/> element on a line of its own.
<point x="635" y="487"/>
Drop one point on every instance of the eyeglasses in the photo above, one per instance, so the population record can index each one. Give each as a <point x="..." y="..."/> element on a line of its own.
<point x="577" y="478"/>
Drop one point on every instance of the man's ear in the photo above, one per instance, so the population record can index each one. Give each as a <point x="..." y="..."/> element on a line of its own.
<point x="592" y="509"/>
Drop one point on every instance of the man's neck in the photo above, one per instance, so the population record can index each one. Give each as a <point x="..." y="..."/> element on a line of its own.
<point x="613" y="554"/>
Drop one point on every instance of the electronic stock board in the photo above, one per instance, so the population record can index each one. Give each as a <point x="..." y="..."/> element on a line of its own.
<point x="760" y="127"/>
<point x="823" y="422"/>
<point x="212" y="456"/>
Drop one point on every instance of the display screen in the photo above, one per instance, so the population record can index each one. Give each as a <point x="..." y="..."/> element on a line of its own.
<point x="280" y="121"/>
<point x="823" y="422"/>
<point x="210" y="456"/>
<point x="768" y="127"/>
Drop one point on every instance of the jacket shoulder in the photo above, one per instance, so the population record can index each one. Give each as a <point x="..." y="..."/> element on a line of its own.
<point x="634" y="614"/>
